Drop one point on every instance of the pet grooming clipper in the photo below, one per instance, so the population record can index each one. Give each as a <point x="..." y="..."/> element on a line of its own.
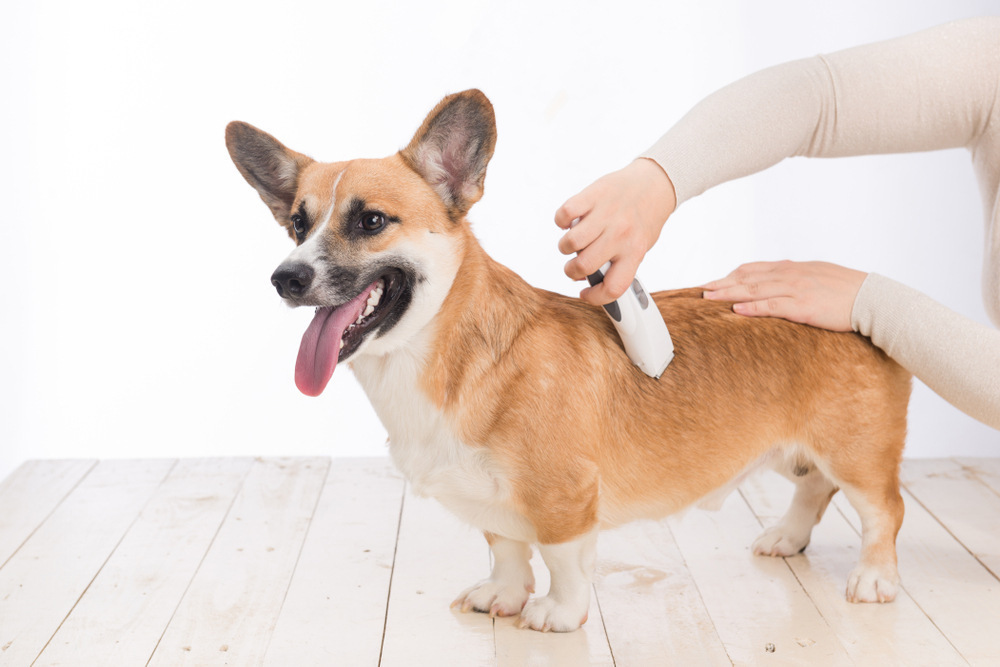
<point x="640" y="325"/>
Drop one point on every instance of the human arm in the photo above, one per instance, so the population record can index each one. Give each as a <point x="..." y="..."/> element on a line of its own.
<point x="948" y="103"/>
<point x="926" y="91"/>
<point x="920" y="92"/>
<point x="956" y="357"/>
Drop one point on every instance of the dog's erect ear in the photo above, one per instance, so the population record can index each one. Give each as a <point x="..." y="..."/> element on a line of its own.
<point x="452" y="148"/>
<point x="271" y="168"/>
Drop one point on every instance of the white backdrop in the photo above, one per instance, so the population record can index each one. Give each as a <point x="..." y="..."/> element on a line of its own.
<point x="137" y="315"/>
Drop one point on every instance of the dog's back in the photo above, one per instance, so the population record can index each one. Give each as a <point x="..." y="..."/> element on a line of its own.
<point x="741" y="387"/>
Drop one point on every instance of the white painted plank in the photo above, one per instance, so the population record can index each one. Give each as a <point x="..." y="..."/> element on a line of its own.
<point x="228" y="613"/>
<point x="517" y="647"/>
<point x="755" y="602"/>
<point x="126" y="608"/>
<point x="42" y="582"/>
<point x="436" y="559"/>
<point x="967" y="507"/>
<point x="336" y="604"/>
<point x="958" y="594"/>
<point x="986" y="470"/>
<point x="649" y="601"/>
<point x="899" y="633"/>
<point x="30" y="493"/>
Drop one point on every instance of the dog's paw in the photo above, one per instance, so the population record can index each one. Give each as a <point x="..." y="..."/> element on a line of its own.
<point x="546" y="614"/>
<point x="779" y="541"/>
<point x="869" y="583"/>
<point x="493" y="598"/>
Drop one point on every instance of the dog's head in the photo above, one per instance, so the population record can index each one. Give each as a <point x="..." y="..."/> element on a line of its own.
<point x="377" y="241"/>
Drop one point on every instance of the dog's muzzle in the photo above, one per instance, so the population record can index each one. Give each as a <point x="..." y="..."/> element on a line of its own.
<point x="293" y="280"/>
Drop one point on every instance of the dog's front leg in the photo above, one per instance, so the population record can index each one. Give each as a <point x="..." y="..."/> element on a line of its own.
<point x="571" y="566"/>
<point x="509" y="585"/>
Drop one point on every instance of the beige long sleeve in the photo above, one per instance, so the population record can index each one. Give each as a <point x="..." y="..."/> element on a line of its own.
<point x="956" y="357"/>
<point x="935" y="89"/>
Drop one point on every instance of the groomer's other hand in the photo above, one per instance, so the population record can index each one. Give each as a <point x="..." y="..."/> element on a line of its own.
<point x="815" y="293"/>
<point x="621" y="215"/>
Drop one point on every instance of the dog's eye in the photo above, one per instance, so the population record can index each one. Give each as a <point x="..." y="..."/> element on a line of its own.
<point x="372" y="221"/>
<point x="298" y="224"/>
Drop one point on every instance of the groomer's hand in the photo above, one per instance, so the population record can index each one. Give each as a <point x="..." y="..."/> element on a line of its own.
<point x="621" y="215"/>
<point x="815" y="293"/>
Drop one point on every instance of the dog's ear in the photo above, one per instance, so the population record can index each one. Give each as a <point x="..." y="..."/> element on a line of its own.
<point x="452" y="148"/>
<point x="271" y="168"/>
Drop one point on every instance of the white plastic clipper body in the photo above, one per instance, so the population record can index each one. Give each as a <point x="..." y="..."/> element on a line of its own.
<point x="640" y="326"/>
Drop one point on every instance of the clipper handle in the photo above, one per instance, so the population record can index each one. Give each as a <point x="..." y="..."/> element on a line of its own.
<point x="640" y="326"/>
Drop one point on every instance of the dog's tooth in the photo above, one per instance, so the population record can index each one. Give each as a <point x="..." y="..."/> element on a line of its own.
<point x="369" y="309"/>
<point x="341" y="343"/>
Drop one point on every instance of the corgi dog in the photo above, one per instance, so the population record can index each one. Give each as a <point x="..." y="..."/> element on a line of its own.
<point x="519" y="410"/>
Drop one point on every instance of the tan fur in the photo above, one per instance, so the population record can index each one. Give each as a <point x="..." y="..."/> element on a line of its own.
<point x="543" y="430"/>
<point x="541" y="381"/>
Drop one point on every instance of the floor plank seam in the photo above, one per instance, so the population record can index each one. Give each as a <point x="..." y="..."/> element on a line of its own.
<point x="496" y="644"/>
<point x="100" y="569"/>
<point x="846" y="518"/>
<point x="604" y="625"/>
<point x="298" y="556"/>
<point x="903" y="587"/>
<point x="978" y="477"/>
<point x="47" y="516"/>
<point x="701" y="596"/>
<point x="201" y="562"/>
<point x="950" y="533"/>
<point x="795" y="575"/>
<point x="930" y="618"/>
<point x="395" y="552"/>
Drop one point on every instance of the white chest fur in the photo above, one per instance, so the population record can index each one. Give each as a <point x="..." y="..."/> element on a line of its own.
<point x="426" y="449"/>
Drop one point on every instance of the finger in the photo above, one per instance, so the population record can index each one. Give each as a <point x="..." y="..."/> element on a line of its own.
<point x="616" y="282"/>
<point x="579" y="237"/>
<point x="575" y="207"/>
<point x="782" y="306"/>
<point x="590" y="258"/>
<point x="750" y="272"/>
<point x="750" y="291"/>
<point x="580" y="266"/>
<point x="761" y="267"/>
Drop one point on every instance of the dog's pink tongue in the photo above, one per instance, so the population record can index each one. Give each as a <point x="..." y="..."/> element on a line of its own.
<point x="320" y="346"/>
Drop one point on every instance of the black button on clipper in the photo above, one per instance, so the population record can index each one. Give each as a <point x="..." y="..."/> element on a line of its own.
<point x="596" y="278"/>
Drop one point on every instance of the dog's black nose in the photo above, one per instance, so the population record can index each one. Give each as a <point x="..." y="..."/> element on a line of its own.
<point x="292" y="280"/>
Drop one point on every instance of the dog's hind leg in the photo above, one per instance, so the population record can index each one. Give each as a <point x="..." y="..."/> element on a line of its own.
<point x="813" y="491"/>
<point x="880" y="507"/>
<point x="509" y="585"/>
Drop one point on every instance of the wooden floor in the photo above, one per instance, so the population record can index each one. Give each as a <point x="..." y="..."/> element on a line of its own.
<point x="298" y="562"/>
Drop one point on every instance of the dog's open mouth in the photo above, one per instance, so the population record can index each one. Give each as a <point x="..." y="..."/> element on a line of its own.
<point x="336" y="332"/>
